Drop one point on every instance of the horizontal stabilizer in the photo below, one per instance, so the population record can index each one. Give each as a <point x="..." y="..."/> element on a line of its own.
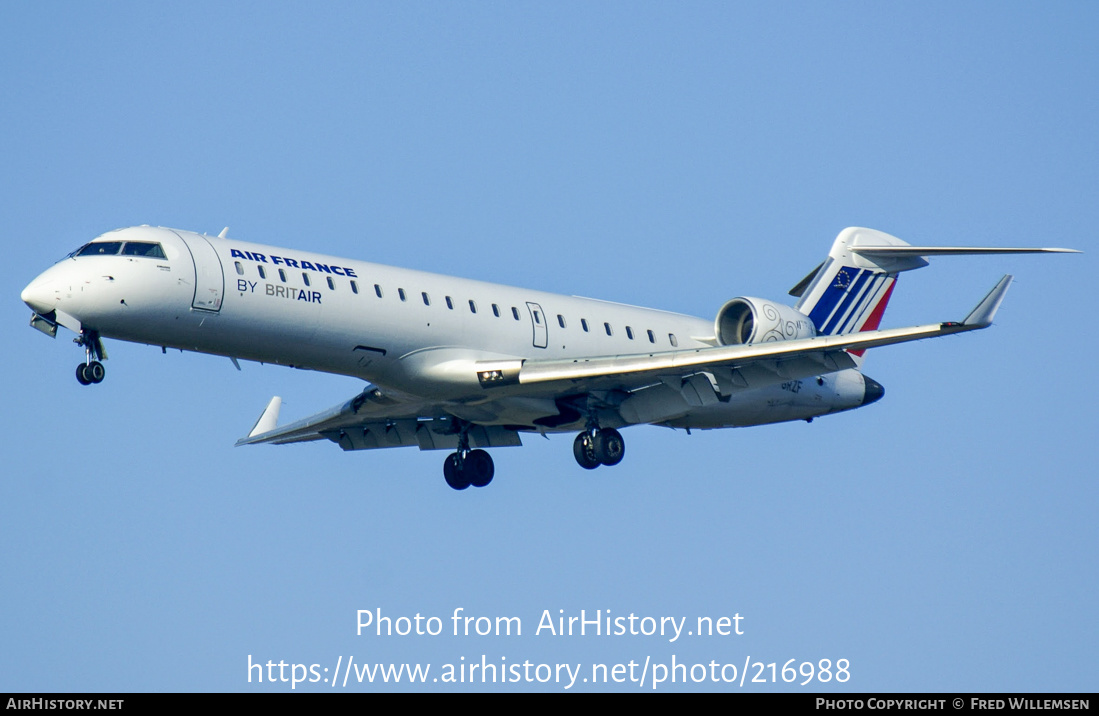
<point x="898" y="252"/>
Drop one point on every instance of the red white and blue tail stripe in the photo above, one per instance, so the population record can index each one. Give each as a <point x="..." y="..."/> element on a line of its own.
<point x="854" y="300"/>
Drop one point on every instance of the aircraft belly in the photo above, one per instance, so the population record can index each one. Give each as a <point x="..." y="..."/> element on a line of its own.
<point x="798" y="399"/>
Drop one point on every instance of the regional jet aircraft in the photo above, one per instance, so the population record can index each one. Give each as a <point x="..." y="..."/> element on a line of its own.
<point x="460" y="365"/>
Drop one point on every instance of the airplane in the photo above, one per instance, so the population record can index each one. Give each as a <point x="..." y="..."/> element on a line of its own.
<point x="461" y="365"/>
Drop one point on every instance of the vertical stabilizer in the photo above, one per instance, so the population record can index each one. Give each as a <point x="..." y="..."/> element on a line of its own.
<point x="850" y="291"/>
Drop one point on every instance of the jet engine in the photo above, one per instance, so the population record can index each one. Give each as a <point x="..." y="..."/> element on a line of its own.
<point x="745" y="320"/>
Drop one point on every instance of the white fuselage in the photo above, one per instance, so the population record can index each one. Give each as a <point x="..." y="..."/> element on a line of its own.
<point x="403" y="330"/>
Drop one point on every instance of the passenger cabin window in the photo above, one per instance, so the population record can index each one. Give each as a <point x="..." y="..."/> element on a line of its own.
<point x="378" y="290"/>
<point x="607" y="328"/>
<point x="427" y="301"/>
<point x="652" y="338"/>
<point x="305" y="277"/>
<point x="472" y="306"/>
<point x="560" y="320"/>
<point x="240" y="269"/>
<point x="331" y="283"/>
<point x="672" y="340"/>
<point x="262" y="273"/>
<point x="584" y="324"/>
<point x="515" y="312"/>
<point x="400" y="292"/>
<point x="495" y="310"/>
<point x="282" y="275"/>
<point x="355" y="288"/>
<point x="449" y="303"/>
<point x="629" y="333"/>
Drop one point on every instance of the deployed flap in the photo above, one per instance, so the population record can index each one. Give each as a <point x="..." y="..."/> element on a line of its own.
<point x="425" y="434"/>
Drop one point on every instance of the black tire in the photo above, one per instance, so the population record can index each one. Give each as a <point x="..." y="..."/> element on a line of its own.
<point x="95" y="372"/>
<point x="80" y="376"/>
<point x="583" y="449"/>
<point x="455" y="476"/>
<point x="610" y="448"/>
<point x="479" y="468"/>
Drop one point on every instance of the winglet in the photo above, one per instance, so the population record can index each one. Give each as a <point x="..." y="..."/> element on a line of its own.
<point x="981" y="316"/>
<point x="270" y="418"/>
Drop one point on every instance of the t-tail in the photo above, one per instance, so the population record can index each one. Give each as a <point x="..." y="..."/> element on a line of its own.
<point x="849" y="292"/>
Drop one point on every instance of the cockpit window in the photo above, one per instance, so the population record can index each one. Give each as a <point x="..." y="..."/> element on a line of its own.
<point x="102" y="248"/>
<point x="129" y="248"/>
<point x="143" y="248"/>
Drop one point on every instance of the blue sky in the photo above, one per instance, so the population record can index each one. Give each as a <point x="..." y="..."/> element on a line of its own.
<point x="667" y="155"/>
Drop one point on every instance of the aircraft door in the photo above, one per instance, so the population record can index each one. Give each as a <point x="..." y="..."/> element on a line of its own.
<point x="209" y="276"/>
<point x="538" y="320"/>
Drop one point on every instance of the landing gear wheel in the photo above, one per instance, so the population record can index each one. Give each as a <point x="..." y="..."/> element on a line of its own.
<point x="610" y="448"/>
<point x="88" y="373"/>
<point x="583" y="449"/>
<point x="479" y="468"/>
<point x="95" y="372"/>
<point x="454" y="472"/>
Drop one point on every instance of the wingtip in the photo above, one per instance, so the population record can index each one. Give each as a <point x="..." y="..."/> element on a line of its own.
<point x="267" y="422"/>
<point x="982" y="315"/>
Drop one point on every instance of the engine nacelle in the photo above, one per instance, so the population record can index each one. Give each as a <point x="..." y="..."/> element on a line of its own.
<point x="746" y="320"/>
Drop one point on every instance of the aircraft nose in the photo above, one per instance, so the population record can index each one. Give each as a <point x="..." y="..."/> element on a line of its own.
<point x="873" y="391"/>
<point x="39" y="295"/>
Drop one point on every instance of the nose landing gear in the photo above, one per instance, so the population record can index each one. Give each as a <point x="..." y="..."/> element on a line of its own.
<point x="91" y="370"/>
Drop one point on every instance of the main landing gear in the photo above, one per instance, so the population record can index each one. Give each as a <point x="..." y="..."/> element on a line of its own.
<point x="594" y="447"/>
<point x="473" y="467"/>
<point x="91" y="370"/>
<point x="466" y="467"/>
<point x="598" y="446"/>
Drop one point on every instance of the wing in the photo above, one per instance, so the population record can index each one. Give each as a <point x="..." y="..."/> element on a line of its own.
<point x="373" y="419"/>
<point x="789" y="359"/>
